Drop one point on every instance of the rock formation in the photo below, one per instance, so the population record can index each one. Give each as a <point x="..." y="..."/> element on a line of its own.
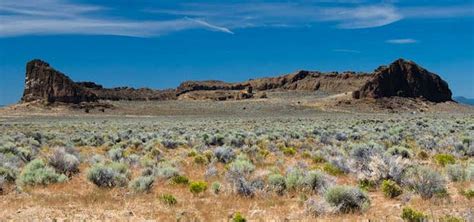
<point x="311" y="81"/>
<point x="405" y="79"/>
<point x="128" y="93"/>
<point x="189" y="86"/>
<point x="401" y="78"/>
<point x="45" y="83"/>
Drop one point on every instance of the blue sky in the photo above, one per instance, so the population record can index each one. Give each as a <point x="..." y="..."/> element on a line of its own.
<point x="147" y="44"/>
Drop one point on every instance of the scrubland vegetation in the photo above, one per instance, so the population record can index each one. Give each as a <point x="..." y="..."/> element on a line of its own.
<point x="314" y="167"/>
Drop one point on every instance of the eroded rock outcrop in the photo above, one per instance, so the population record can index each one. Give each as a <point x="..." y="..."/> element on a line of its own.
<point x="312" y="81"/>
<point x="44" y="83"/>
<point x="128" y="93"/>
<point x="301" y="80"/>
<point x="401" y="78"/>
<point x="405" y="79"/>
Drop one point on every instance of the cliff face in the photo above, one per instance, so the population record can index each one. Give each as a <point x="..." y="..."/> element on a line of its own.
<point x="312" y="81"/>
<point x="190" y="86"/>
<point x="405" y="79"/>
<point x="401" y="78"/>
<point x="300" y="80"/>
<point x="127" y="93"/>
<point x="45" y="83"/>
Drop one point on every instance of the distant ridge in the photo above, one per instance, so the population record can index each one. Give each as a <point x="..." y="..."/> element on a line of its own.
<point x="402" y="78"/>
<point x="464" y="100"/>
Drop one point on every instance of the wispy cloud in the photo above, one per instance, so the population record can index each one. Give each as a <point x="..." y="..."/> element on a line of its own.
<point x="44" y="17"/>
<point x="362" y="17"/>
<point x="343" y="14"/>
<point x="346" y="50"/>
<point x="401" y="41"/>
<point x="49" y="8"/>
<point x="210" y="26"/>
<point x="281" y="14"/>
<point x="427" y="12"/>
<point x="12" y="26"/>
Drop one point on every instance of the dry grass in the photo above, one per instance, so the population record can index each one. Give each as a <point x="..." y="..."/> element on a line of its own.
<point x="79" y="199"/>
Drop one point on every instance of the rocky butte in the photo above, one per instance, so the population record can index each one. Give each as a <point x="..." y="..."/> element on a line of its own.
<point x="401" y="78"/>
<point x="405" y="79"/>
<point x="44" y="83"/>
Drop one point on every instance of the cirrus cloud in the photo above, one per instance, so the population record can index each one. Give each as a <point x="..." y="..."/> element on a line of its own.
<point x="51" y="17"/>
<point x="401" y="41"/>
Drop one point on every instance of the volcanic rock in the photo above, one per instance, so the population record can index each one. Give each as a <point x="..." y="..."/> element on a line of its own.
<point x="401" y="78"/>
<point x="189" y="86"/>
<point x="132" y="94"/>
<point x="45" y="83"/>
<point x="312" y="81"/>
<point x="405" y="79"/>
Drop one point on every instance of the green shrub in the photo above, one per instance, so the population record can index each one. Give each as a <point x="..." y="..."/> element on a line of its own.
<point x="470" y="171"/>
<point x="142" y="183"/>
<point x="466" y="140"/>
<point x="319" y="159"/>
<point x="180" y="180"/>
<point x="347" y="199"/>
<point x="469" y="194"/>
<point x="306" y="154"/>
<point x="456" y="172"/>
<point x="425" y="181"/>
<point x="8" y="173"/>
<point x="332" y="170"/>
<point x="109" y="175"/>
<point x="216" y="187"/>
<point x="224" y="154"/>
<point x="444" y="159"/>
<point x="277" y="183"/>
<point x="411" y="215"/>
<point x="449" y="218"/>
<point x="168" y="199"/>
<point x="294" y="178"/>
<point x="208" y="154"/>
<point x="166" y="171"/>
<point x="37" y="173"/>
<point x="200" y="159"/>
<point x="391" y="189"/>
<point x="197" y="187"/>
<point x="263" y="153"/>
<point x="367" y="185"/>
<point x="241" y="165"/>
<point x="2" y="182"/>
<point x="192" y="153"/>
<point x="238" y="218"/>
<point x="316" y="181"/>
<point x="289" y="151"/>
